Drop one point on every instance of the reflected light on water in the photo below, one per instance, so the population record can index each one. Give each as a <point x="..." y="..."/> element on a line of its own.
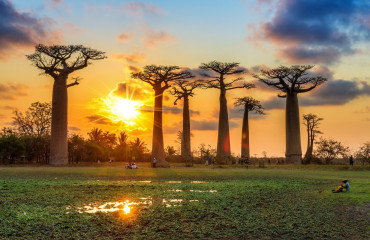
<point x="126" y="209"/>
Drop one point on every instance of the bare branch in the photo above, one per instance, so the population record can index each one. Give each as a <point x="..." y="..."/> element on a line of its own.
<point x="76" y="82"/>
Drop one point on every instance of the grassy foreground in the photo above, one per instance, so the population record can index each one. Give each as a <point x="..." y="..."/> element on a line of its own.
<point x="288" y="202"/>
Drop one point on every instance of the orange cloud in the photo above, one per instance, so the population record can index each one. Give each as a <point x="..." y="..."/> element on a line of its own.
<point x="11" y="91"/>
<point x="131" y="58"/>
<point x="125" y="36"/>
<point x="153" y="37"/>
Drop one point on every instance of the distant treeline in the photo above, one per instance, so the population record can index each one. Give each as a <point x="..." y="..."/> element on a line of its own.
<point x="28" y="141"/>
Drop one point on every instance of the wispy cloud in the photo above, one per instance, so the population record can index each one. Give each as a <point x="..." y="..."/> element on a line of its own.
<point x="125" y="36"/>
<point x="132" y="91"/>
<point x="131" y="58"/>
<point x="11" y="91"/>
<point x="139" y="8"/>
<point x="153" y="37"/>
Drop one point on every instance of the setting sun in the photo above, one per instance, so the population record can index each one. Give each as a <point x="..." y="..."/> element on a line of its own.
<point x="122" y="109"/>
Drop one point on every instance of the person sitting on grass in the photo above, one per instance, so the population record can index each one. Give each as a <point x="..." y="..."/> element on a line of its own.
<point x="133" y="166"/>
<point x="344" y="187"/>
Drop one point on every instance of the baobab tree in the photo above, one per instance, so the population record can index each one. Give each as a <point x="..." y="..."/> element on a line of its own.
<point x="250" y="104"/>
<point x="291" y="81"/>
<point x="216" y="78"/>
<point x="311" y="121"/>
<point x="58" y="61"/>
<point x="160" y="78"/>
<point x="183" y="89"/>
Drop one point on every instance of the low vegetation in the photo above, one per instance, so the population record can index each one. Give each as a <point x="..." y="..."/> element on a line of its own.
<point x="277" y="202"/>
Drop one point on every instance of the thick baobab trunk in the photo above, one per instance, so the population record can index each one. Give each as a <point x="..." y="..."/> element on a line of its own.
<point x="157" y="146"/>
<point x="293" y="137"/>
<point x="185" y="143"/>
<point x="223" y="141"/>
<point x="245" y="134"/>
<point x="59" y="117"/>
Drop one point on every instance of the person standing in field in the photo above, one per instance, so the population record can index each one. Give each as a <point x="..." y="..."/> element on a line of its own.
<point x="351" y="160"/>
<point x="154" y="162"/>
<point x="237" y="160"/>
<point x="213" y="162"/>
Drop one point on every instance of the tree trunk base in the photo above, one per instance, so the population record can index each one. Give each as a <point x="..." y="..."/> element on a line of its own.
<point x="294" y="158"/>
<point x="163" y="164"/>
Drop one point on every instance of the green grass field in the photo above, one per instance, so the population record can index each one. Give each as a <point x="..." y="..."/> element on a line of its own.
<point x="286" y="202"/>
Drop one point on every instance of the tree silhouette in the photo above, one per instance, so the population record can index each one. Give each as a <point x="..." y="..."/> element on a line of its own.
<point x="216" y="78"/>
<point x="160" y="78"/>
<point x="311" y="121"/>
<point x="183" y="89"/>
<point x="330" y="149"/>
<point x="35" y="121"/>
<point x="291" y="81"/>
<point x="250" y="104"/>
<point x="59" y="61"/>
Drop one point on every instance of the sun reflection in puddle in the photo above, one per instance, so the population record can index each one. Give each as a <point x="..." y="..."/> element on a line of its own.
<point x="125" y="206"/>
<point x="198" y="182"/>
<point x="132" y="181"/>
<point x="173" y="181"/>
<point x="191" y="190"/>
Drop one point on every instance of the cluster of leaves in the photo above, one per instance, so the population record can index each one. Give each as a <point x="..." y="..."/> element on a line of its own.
<point x="363" y="154"/>
<point x="100" y="146"/>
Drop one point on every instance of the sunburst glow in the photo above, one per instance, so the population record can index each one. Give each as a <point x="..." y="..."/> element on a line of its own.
<point x="122" y="109"/>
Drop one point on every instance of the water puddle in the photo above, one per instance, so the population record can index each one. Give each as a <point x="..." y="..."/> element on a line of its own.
<point x="173" y="181"/>
<point x="203" y="191"/>
<point x="198" y="182"/>
<point x="191" y="190"/>
<point x="132" y="181"/>
<point x="127" y="206"/>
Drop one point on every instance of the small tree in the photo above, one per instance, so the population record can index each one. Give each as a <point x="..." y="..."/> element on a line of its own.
<point x="160" y="78"/>
<point x="330" y="149"/>
<point x="170" y="150"/>
<point x="122" y="148"/>
<point x="291" y="81"/>
<point x="35" y="121"/>
<point x="183" y="89"/>
<point x="33" y="125"/>
<point x="312" y="122"/>
<point x="58" y="61"/>
<point x="104" y="143"/>
<point x="138" y="148"/>
<point x="76" y="148"/>
<point x="363" y="154"/>
<point x="217" y="78"/>
<point x="250" y="104"/>
<point x="11" y="146"/>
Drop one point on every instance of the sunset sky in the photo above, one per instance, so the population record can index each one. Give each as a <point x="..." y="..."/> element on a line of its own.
<point x="332" y="35"/>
